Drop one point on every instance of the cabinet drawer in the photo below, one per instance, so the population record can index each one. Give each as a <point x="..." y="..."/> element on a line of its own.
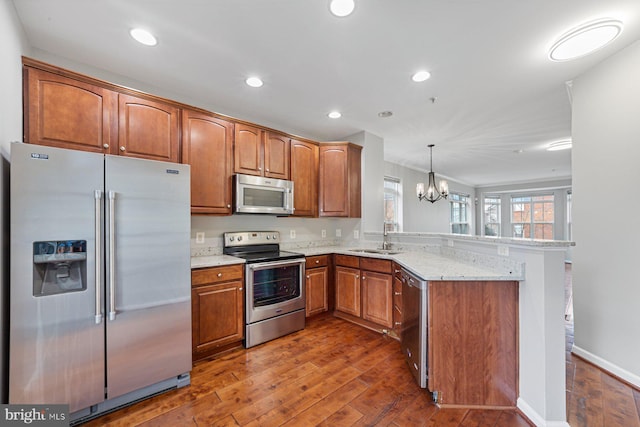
<point x="397" y="270"/>
<point x="348" y="261"/>
<point x="374" y="264"/>
<point x="216" y="274"/>
<point x="317" y="261"/>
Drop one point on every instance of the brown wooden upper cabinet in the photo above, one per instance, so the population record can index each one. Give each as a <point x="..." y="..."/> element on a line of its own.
<point x="207" y="145"/>
<point x="148" y="129"/>
<point x="340" y="180"/>
<point x="67" y="113"/>
<point x="304" y="174"/>
<point x="68" y="110"/>
<point x="260" y="152"/>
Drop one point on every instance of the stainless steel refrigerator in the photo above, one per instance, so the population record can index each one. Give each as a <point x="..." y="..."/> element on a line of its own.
<point x="100" y="295"/>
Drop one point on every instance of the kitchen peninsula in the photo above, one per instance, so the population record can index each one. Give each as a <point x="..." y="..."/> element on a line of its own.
<point x="538" y="267"/>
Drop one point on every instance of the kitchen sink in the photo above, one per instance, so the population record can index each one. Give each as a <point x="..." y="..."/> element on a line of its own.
<point x="376" y="251"/>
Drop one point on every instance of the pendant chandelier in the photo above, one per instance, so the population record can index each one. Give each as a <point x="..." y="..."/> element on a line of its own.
<point x="433" y="193"/>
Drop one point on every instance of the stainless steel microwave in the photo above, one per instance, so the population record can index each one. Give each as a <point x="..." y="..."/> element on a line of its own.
<point x="260" y="195"/>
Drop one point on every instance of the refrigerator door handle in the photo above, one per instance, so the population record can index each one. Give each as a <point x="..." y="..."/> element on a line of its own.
<point x="98" y="237"/>
<point x="112" y="252"/>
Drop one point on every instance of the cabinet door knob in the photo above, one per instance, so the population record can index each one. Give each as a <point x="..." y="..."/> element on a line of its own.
<point x="239" y="289"/>
<point x="308" y="277"/>
<point x="219" y="274"/>
<point x="267" y="169"/>
<point x="229" y="206"/>
<point x="317" y="261"/>
<point x="105" y="146"/>
<point x="397" y="293"/>
<point x="259" y="169"/>
<point x="122" y="148"/>
<point x="357" y="277"/>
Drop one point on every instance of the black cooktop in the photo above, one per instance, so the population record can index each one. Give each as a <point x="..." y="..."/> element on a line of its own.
<point x="253" y="257"/>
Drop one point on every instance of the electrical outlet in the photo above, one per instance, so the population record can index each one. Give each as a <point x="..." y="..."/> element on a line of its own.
<point x="503" y="250"/>
<point x="338" y="232"/>
<point x="356" y="234"/>
<point x="324" y="234"/>
<point x="200" y="237"/>
<point x="292" y="234"/>
<point x="450" y="243"/>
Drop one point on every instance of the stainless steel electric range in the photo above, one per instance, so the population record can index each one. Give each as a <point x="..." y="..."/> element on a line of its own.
<point x="274" y="283"/>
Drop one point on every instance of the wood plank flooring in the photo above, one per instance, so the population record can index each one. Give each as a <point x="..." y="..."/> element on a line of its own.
<point x="334" y="373"/>
<point x="595" y="398"/>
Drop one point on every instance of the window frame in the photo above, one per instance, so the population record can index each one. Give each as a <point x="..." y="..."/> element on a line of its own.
<point x="498" y="213"/>
<point x="396" y="195"/>
<point x="462" y="201"/>
<point x="530" y="224"/>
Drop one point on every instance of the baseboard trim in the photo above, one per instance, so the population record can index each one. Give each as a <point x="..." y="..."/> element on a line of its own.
<point x="536" y="418"/>
<point x="610" y="368"/>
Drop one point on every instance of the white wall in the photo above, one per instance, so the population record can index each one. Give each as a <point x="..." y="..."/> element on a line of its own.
<point x="606" y="173"/>
<point x="13" y="45"/>
<point x="425" y="216"/>
<point x="372" y="179"/>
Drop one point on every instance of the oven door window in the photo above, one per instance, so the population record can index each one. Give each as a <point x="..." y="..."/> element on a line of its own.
<point x="275" y="285"/>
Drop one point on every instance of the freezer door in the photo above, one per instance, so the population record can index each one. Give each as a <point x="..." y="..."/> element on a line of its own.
<point x="148" y="272"/>
<point x="56" y="341"/>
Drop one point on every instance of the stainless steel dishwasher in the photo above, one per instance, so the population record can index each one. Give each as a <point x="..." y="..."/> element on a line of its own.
<point x="414" y="326"/>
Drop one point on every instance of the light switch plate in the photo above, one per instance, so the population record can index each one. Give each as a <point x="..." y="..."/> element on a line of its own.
<point x="356" y="234"/>
<point x="200" y="237"/>
<point x="292" y="234"/>
<point x="324" y="234"/>
<point x="503" y="250"/>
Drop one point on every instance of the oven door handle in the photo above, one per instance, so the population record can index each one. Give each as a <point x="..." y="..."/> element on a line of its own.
<point x="271" y="264"/>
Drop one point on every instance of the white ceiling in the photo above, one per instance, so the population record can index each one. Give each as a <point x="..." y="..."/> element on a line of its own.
<point x="496" y="92"/>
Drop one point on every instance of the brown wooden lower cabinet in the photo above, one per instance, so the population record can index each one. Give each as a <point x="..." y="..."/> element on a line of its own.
<point x="473" y="342"/>
<point x="217" y="302"/>
<point x="377" y="301"/>
<point x="317" y="284"/>
<point x="348" y="290"/>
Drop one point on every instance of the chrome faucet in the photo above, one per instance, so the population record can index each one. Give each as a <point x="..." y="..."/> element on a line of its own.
<point x="385" y="244"/>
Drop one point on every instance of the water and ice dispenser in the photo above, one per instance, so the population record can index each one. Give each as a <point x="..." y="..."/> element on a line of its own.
<point x="59" y="267"/>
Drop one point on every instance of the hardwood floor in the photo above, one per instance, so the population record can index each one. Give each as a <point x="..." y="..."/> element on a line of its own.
<point x="595" y="398"/>
<point x="334" y="373"/>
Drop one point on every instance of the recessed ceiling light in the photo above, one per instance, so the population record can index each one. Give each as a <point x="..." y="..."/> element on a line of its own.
<point x="342" y="8"/>
<point x="585" y="39"/>
<point x="334" y="115"/>
<point x="254" y="82"/>
<point x="421" y="76"/>
<point x="560" y="145"/>
<point x="143" y="36"/>
<point x="384" y="114"/>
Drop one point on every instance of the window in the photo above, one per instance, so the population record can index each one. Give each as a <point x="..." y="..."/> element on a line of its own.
<point x="392" y="204"/>
<point x="532" y="216"/>
<point x="459" y="213"/>
<point x="492" y="215"/>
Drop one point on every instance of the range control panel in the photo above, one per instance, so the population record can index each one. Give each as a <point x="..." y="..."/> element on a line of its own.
<point x="244" y="238"/>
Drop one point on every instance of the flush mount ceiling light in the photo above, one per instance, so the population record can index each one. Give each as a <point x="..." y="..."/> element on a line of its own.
<point x="585" y="39"/>
<point x="433" y="193"/>
<point x="143" y="36"/>
<point x="334" y="115"/>
<point x="342" y="8"/>
<point x="254" y="82"/>
<point x="560" y="145"/>
<point x="421" y="76"/>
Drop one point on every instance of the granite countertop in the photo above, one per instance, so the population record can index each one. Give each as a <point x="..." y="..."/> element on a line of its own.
<point x="425" y="265"/>
<point x="214" y="261"/>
